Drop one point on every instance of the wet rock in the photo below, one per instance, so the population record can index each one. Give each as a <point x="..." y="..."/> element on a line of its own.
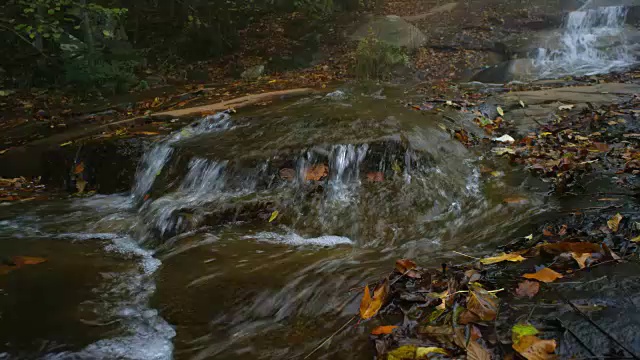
<point x="392" y="30"/>
<point x="253" y="73"/>
<point x="512" y="70"/>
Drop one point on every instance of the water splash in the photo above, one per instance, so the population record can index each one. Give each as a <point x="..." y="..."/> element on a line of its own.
<point x="593" y="41"/>
<point x="154" y="160"/>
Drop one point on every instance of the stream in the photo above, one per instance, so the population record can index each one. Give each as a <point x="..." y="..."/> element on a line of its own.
<point x="195" y="263"/>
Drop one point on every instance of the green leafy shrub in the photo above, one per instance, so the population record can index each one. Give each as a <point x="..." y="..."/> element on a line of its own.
<point x="376" y="60"/>
<point x="114" y="76"/>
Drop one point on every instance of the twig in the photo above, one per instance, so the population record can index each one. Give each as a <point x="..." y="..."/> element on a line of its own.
<point x="600" y="328"/>
<point x="330" y="337"/>
<point x="469" y="256"/>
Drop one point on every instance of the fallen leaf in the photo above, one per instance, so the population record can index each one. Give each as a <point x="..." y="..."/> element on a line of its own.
<point x="145" y="133"/>
<point x="581" y="259"/>
<point x="522" y="103"/>
<point x="614" y="222"/>
<point x="533" y="348"/>
<point x="547" y="232"/>
<point x="545" y="275"/>
<point x="78" y="168"/>
<point x="575" y="247"/>
<point x="482" y="303"/>
<point x="522" y="329"/>
<point x="288" y="174"/>
<point x="609" y="253"/>
<point x="28" y="260"/>
<point x="410" y="352"/>
<point x="475" y="351"/>
<point x="563" y="230"/>
<point x="316" y="172"/>
<point x="406" y="267"/>
<point x="375" y="176"/>
<point x="503" y="150"/>
<point x="467" y="317"/>
<point x="565" y="107"/>
<point x="274" y="215"/>
<point x="369" y="306"/>
<point x="528" y="289"/>
<point x="500" y="111"/>
<point x="380" y="330"/>
<point x="636" y="239"/>
<point x="502" y="257"/>
<point x="66" y="143"/>
<point x="81" y="184"/>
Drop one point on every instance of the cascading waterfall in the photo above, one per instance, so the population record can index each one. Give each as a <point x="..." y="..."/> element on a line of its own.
<point x="154" y="160"/>
<point x="593" y="41"/>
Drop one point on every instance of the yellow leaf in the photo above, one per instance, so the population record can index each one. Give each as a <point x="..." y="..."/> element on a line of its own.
<point x="272" y="81"/>
<point x="614" y="222"/>
<point x="500" y="111"/>
<point x="67" y="143"/>
<point x="274" y="215"/>
<point x="533" y="348"/>
<point x="422" y="352"/>
<point x="502" y="257"/>
<point x="546" y="133"/>
<point x="545" y="275"/>
<point x="636" y="239"/>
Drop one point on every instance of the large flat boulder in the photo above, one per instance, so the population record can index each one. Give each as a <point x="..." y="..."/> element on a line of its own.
<point x="392" y="30"/>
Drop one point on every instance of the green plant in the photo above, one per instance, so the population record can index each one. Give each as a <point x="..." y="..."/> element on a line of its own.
<point x="375" y="59"/>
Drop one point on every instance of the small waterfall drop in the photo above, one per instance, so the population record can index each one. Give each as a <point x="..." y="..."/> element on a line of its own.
<point x="155" y="159"/>
<point x="593" y="41"/>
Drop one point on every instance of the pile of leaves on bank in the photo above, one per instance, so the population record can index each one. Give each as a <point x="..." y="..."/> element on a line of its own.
<point x="582" y="142"/>
<point x="451" y="311"/>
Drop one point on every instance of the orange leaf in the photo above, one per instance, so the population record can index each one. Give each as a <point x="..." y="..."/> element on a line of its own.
<point x="369" y="307"/>
<point x="79" y="168"/>
<point x="515" y="200"/>
<point x="316" y="172"/>
<point x="406" y="266"/>
<point x="28" y="260"/>
<point x="380" y="330"/>
<point x="545" y="275"/>
<point x="581" y="259"/>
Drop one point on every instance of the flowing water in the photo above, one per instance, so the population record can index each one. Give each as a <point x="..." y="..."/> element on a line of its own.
<point x="188" y="266"/>
<point x="594" y="41"/>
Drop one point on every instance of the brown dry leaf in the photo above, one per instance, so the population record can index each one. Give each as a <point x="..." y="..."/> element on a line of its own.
<point x="406" y="267"/>
<point x="545" y="275"/>
<point x="28" y="260"/>
<point x="287" y="174"/>
<point x="79" y="168"/>
<point x="316" y="172"/>
<point x="581" y="259"/>
<point x="482" y="303"/>
<point x="602" y="147"/>
<point x="380" y="330"/>
<point x="563" y="230"/>
<point x="375" y="176"/>
<point x="610" y="253"/>
<point x="467" y="317"/>
<point x="369" y="306"/>
<point x="547" y="232"/>
<point x="528" y="289"/>
<point x="532" y="347"/>
<point x="476" y="351"/>
<point x="145" y="133"/>
<point x="614" y="222"/>
<point x="513" y="257"/>
<point x="576" y="247"/>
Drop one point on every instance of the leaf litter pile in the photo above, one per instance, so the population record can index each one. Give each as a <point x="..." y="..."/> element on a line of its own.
<point x="455" y="311"/>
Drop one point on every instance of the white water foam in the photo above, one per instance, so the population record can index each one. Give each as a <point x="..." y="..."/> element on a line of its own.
<point x="154" y="160"/>
<point x="294" y="239"/>
<point x="593" y="42"/>
<point x="125" y="299"/>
